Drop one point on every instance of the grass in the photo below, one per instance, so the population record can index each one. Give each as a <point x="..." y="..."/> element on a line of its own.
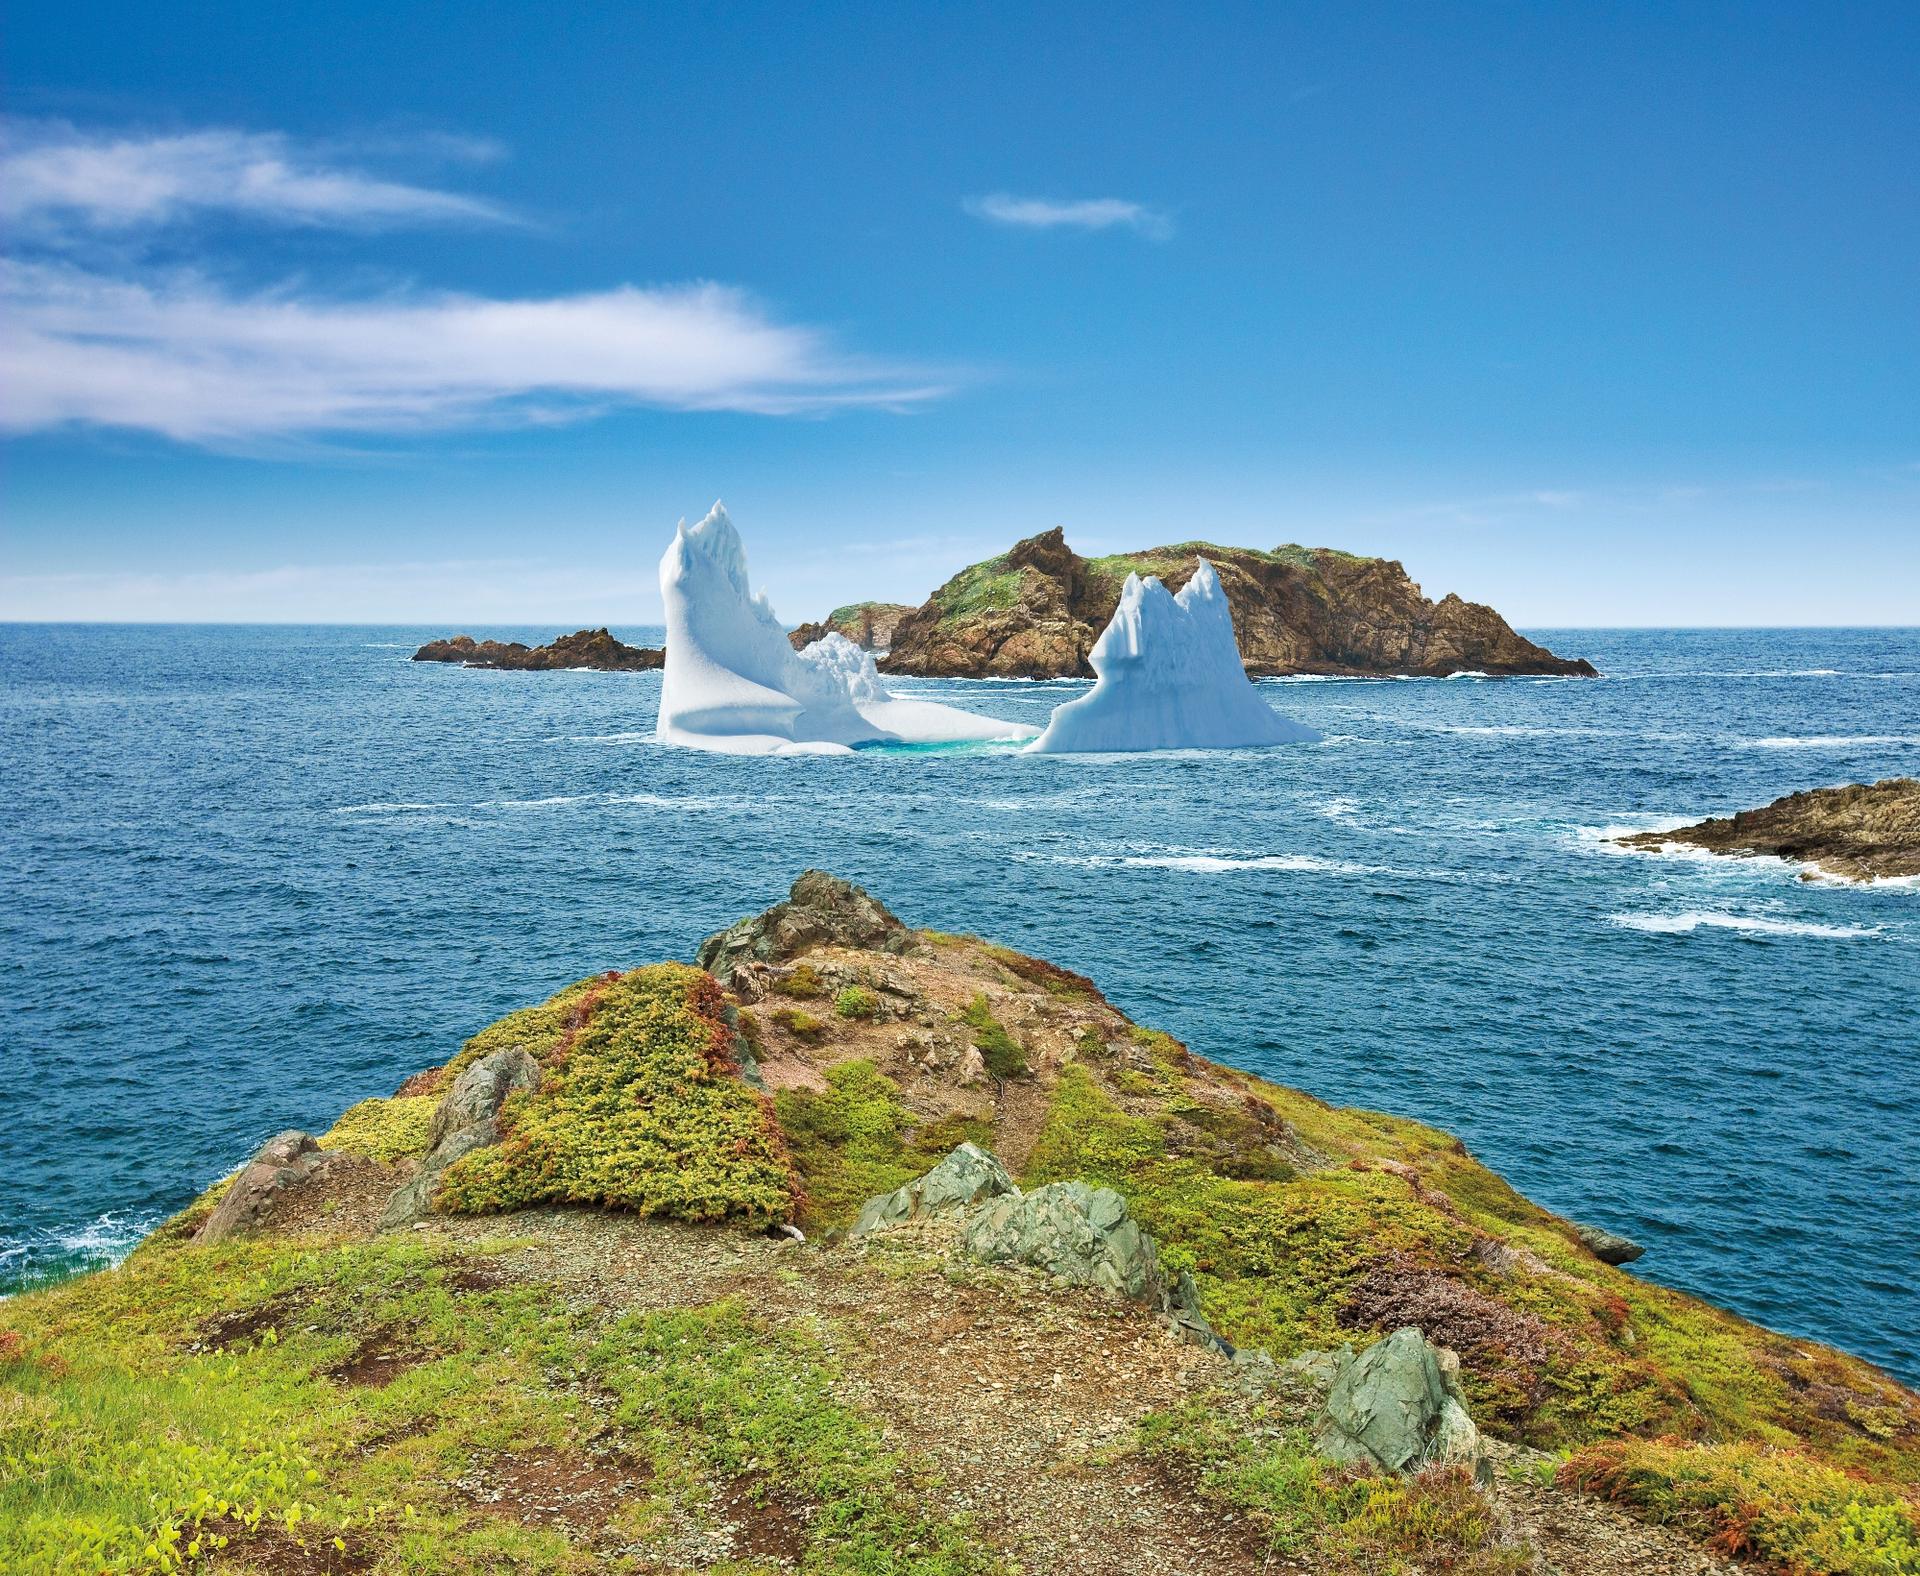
<point x="1004" y="1055"/>
<point x="857" y="1140"/>
<point x="802" y="1025"/>
<point x="802" y="982"/>
<point x="986" y="587"/>
<point x="856" y="1001"/>
<point x="386" y="1130"/>
<point x="640" y="1107"/>
<point x="181" y="1409"/>
<point x="1758" y="1503"/>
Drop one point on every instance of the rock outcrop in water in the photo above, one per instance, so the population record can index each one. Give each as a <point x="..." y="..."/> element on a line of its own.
<point x="1863" y="831"/>
<point x="594" y="1346"/>
<point x="585" y="648"/>
<point x="1036" y="611"/>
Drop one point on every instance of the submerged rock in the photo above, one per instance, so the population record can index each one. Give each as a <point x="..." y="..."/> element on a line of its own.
<point x="467" y="1118"/>
<point x="283" y="1163"/>
<point x="1398" y="1406"/>
<point x="820" y="910"/>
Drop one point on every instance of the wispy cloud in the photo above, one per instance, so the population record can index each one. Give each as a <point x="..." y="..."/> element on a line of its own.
<point x="187" y="358"/>
<point x="1084" y="213"/>
<point x="53" y="174"/>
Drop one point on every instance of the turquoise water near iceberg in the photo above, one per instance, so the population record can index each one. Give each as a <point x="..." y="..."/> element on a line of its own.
<point x="250" y="875"/>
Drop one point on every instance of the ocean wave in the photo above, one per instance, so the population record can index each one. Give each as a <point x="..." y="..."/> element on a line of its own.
<point x="600" y="738"/>
<point x="93" y="1244"/>
<point x="385" y="807"/>
<point x="1752" y="924"/>
<point x="1216" y="864"/>
<point x="1833" y="741"/>
<point x="536" y="804"/>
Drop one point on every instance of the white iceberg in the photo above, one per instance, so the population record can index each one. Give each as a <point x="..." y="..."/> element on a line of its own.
<point x="733" y="681"/>
<point x="1170" y="678"/>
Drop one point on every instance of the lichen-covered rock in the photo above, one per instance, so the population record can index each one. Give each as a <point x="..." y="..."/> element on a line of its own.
<point x="967" y="1176"/>
<point x="467" y="1118"/>
<point x="283" y="1163"/>
<point x="820" y="910"/>
<point x="1609" y="1247"/>
<point x="1398" y="1407"/>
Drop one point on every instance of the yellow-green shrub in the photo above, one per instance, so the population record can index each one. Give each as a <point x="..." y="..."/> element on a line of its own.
<point x="384" y="1129"/>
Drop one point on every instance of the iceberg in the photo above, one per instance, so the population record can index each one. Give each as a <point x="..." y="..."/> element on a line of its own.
<point x="733" y="681"/>
<point x="1169" y="678"/>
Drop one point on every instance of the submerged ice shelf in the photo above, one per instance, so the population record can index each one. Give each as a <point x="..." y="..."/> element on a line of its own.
<point x="733" y="681"/>
<point x="1169" y="678"/>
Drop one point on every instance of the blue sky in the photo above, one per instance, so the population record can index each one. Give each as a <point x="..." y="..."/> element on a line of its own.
<point x="1603" y="314"/>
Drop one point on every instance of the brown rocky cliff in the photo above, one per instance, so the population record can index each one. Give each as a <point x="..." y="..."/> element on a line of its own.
<point x="869" y="625"/>
<point x="1036" y="612"/>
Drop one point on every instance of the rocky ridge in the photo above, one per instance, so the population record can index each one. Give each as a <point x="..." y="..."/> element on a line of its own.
<point x="1036" y="611"/>
<point x="584" y="648"/>
<point x="1069" y="1298"/>
<point x="1862" y="831"/>
<point x="869" y="625"/>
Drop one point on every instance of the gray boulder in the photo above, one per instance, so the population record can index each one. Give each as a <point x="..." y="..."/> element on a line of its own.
<point x="1607" y="1246"/>
<point x="467" y="1118"/>
<point x="1397" y="1406"/>
<point x="965" y="1177"/>
<point x="283" y="1163"/>
<point x="820" y="910"/>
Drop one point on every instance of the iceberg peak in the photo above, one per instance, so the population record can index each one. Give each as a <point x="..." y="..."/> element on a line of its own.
<point x="1169" y="678"/>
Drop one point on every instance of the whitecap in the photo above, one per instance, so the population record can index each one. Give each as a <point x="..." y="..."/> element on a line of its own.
<point x="1752" y="924"/>
<point x="1833" y="741"/>
<point x="382" y="807"/>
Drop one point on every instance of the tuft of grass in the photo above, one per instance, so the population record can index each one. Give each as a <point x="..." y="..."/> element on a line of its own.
<point x="856" y="1001"/>
<point x="640" y="1107"/>
<point x="1004" y="1055"/>
<point x="385" y="1130"/>
<point x="1753" y="1502"/>
<point x="802" y="983"/>
<point x="802" y="1025"/>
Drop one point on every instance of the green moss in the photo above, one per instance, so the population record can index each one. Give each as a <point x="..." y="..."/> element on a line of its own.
<point x="856" y="1001"/>
<point x="384" y="1129"/>
<point x="1761" y="1503"/>
<point x="1004" y="1055"/>
<point x="802" y="1025"/>
<point x="639" y="1108"/>
<point x="857" y="1140"/>
<point x="802" y="982"/>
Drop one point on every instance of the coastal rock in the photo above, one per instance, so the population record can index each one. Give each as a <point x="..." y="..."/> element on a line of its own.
<point x="1608" y="1247"/>
<point x="284" y="1162"/>
<point x="467" y="1118"/>
<point x="584" y="648"/>
<point x="1398" y="1406"/>
<point x="1036" y="611"/>
<point x="869" y="625"/>
<point x="1080" y="1234"/>
<point x="1862" y="831"/>
<point x="967" y="1176"/>
<point x="820" y="910"/>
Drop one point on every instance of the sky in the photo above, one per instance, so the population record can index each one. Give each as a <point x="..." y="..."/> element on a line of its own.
<point x="1603" y="314"/>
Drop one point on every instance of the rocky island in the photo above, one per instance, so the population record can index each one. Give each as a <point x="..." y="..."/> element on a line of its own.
<point x="1036" y="611"/>
<point x="1862" y="831"/>
<point x="584" y="648"/>
<point x="861" y="1247"/>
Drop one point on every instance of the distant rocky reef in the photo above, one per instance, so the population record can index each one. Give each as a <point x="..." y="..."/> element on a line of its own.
<point x="584" y="648"/>
<point x="1863" y="831"/>
<point x="869" y="625"/>
<point x="1036" y="611"/>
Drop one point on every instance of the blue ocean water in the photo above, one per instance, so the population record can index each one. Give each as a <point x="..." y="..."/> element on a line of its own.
<point x="251" y="875"/>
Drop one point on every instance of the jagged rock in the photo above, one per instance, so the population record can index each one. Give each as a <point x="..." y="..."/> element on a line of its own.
<point x="585" y="648"/>
<point x="869" y="625"/>
<point x="286" y="1161"/>
<point x="965" y="1177"/>
<point x="1398" y="1406"/>
<point x="1608" y="1247"/>
<point x="1036" y="612"/>
<point x="820" y="910"/>
<point x="467" y="1118"/>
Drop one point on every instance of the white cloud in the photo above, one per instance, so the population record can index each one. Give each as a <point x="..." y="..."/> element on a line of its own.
<point x="1086" y="213"/>
<point x="189" y="359"/>
<point x="54" y="174"/>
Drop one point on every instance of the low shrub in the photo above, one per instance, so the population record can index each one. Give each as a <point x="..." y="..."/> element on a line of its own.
<point x="802" y="1025"/>
<point x="1004" y="1055"/>
<point x="802" y="982"/>
<point x="386" y="1130"/>
<point x="856" y="1001"/>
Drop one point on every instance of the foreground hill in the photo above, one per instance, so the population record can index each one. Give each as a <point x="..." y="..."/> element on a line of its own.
<point x="1036" y="611"/>
<point x="544" y="1310"/>
<point x="1863" y="831"/>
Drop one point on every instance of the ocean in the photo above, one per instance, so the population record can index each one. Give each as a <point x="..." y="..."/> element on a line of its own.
<point x="254" y="874"/>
